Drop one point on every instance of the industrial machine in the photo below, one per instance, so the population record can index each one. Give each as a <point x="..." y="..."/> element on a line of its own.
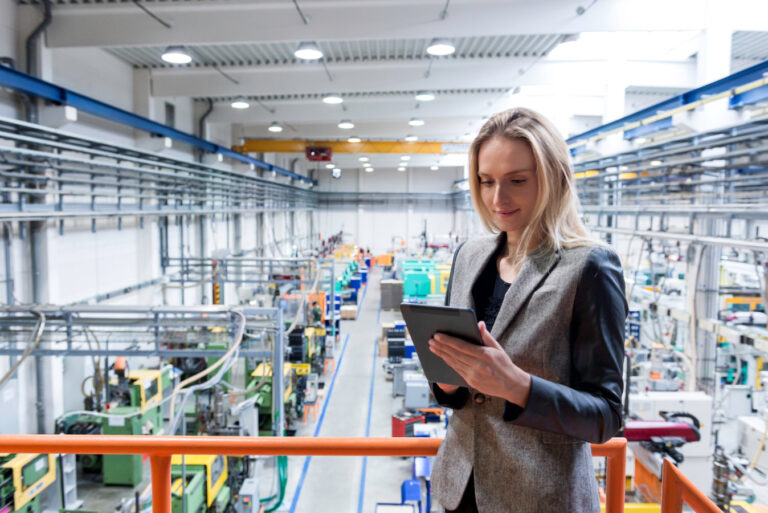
<point x="294" y="385"/>
<point x="199" y="484"/>
<point x="130" y="392"/>
<point x="22" y="478"/>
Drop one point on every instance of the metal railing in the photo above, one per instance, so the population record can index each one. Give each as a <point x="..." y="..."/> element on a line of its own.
<point x="160" y="449"/>
<point x="676" y="489"/>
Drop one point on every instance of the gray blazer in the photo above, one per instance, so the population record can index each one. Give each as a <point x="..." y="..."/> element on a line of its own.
<point x="562" y="321"/>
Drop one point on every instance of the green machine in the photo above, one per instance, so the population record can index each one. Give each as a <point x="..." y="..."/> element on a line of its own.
<point x="206" y="487"/>
<point x="23" y="477"/>
<point x="122" y="469"/>
<point x="293" y="406"/>
<point x="142" y="388"/>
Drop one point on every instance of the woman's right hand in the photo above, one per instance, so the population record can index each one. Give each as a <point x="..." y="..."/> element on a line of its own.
<point x="448" y="389"/>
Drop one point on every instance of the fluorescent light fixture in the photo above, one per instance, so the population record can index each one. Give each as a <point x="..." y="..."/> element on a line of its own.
<point x="337" y="170"/>
<point x="405" y="157"/>
<point x="416" y="122"/>
<point x="440" y="47"/>
<point x="354" y="140"/>
<point x="411" y="138"/>
<point x="434" y="167"/>
<point x="346" y="124"/>
<point x="240" y="103"/>
<point x="330" y="166"/>
<point x="425" y="96"/>
<point x="401" y="169"/>
<point x="369" y="170"/>
<point x="308" y="51"/>
<point x="336" y="173"/>
<point x="332" y="99"/>
<point x="363" y="159"/>
<point x="220" y="157"/>
<point x="275" y="127"/>
<point x="176" y="54"/>
<point x="656" y="162"/>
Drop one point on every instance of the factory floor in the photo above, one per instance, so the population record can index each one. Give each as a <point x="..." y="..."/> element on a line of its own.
<point x="359" y="403"/>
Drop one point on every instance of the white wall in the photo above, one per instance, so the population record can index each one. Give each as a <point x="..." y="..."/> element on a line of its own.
<point x="8" y="48"/>
<point x="378" y="228"/>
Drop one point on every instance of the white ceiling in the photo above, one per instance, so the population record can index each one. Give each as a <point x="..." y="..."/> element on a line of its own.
<point x="375" y="57"/>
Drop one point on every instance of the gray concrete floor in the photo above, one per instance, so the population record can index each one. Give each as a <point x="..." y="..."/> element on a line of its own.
<point x="332" y="484"/>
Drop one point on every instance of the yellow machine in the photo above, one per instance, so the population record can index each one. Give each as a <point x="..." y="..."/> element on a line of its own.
<point x="215" y="467"/>
<point x="152" y="385"/>
<point x="31" y="473"/>
<point x="265" y="369"/>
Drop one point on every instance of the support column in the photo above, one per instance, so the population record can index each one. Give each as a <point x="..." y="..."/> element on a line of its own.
<point x="203" y="253"/>
<point x="714" y="56"/>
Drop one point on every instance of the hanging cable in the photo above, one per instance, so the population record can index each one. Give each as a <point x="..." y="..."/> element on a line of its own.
<point x="36" y="336"/>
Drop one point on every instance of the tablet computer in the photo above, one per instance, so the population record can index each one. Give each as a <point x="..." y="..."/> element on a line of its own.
<point x="424" y="321"/>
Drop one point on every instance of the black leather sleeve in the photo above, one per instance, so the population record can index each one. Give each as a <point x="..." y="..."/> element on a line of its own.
<point x="458" y="399"/>
<point x="589" y="409"/>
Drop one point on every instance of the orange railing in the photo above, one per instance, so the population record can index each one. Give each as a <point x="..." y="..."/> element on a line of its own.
<point x="161" y="448"/>
<point x="676" y="489"/>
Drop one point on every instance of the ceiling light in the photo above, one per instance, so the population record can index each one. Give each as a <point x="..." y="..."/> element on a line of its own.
<point x="367" y="165"/>
<point x="176" y="54"/>
<point x="308" y="51"/>
<point x="440" y="47"/>
<point x="401" y="168"/>
<point x="346" y="124"/>
<point x="405" y="157"/>
<point x="434" y="167"/>
<point x="337" y="170"/>
<point x="411" y="138"/>
<point x="416" y="122"/>
<point x="354" y="140"/>
<point x="240" y="103"/>
<point x="332" y="99"/>
<point x="330" y="166"/>
<point x="275" y="127"/>
<point x="425" y="96"/>
<point x="369" y="170"/>
<point x="363" y="159"/>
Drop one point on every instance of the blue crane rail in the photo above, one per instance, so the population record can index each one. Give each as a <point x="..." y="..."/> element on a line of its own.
<point x="28" y="84"/>
<point x="753" y="73"/>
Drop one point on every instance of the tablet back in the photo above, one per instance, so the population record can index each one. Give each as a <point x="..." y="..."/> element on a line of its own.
<point x="424" y="321"/>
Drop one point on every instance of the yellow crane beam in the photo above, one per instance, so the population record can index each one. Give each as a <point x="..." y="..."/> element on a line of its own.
<point x="296" y="146"/>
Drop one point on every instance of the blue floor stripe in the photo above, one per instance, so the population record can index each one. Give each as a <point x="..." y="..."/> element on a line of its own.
<point x="304" y="470"/>
<point x="360" y="304"/>
<point x="368" y="426"/>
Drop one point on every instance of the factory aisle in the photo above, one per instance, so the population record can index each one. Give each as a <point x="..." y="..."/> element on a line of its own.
<point x="332" y="484"/>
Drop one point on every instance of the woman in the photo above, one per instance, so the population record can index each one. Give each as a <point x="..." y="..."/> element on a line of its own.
<point x="551" y="307"/>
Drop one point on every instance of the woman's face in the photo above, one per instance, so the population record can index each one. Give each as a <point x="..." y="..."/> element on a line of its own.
<point x="509" y="185"/>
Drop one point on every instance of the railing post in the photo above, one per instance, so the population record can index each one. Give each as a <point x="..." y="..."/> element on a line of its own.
<point x="615" y="451"/>
<point x="615" y="479"/>
<point x="671" y="495"/>
<point x="161" y="483"/>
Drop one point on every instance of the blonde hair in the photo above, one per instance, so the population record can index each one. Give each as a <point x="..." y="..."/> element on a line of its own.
<point x="555" y="221"/>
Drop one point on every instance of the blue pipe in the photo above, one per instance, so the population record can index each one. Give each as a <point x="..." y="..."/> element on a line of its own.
<point x="718" y="86"/>
<point x="28" y="84"/>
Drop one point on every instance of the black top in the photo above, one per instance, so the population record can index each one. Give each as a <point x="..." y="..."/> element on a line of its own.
<point x="488" y="293"/>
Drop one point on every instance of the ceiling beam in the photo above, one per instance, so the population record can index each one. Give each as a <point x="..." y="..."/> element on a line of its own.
<point x="410" y="75"/>
<point x="231" y="22"/>
<point x="387" y="147"/>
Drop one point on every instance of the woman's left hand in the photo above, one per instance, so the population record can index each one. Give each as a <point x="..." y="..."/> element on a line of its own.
<point x="487" y="368"/>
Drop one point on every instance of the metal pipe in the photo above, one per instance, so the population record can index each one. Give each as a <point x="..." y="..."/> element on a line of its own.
<point x="684" y="237"/>
<point x="31" y="48"/>
<point x="201" y="128"/>
<point x="278" y="401"/>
